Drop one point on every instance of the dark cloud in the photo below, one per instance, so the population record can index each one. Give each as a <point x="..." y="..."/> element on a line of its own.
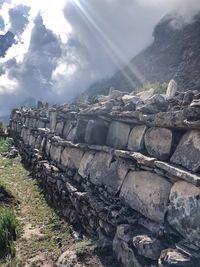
<point x="19" y="18"/>
<point x="2" y="24"/>
<point x="34" y="73"/>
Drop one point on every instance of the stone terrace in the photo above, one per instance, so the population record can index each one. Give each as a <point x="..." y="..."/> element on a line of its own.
<point x="125" y="167"/>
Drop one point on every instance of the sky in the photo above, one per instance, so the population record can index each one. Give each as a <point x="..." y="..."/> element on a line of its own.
<point x="63" y="46"/>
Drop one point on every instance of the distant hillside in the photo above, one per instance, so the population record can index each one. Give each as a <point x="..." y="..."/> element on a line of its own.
<point x="175" y="53"/>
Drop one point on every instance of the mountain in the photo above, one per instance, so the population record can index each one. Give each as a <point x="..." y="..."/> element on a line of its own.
<point x="174" y="54"/>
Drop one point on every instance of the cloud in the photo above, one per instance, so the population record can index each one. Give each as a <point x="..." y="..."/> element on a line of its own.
<point x="2" y="24"/>
<point x="19" y="18"/>
<point x="104" y="36"/>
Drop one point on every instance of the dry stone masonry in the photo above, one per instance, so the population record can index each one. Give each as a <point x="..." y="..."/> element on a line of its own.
<point x="125" y="168"/>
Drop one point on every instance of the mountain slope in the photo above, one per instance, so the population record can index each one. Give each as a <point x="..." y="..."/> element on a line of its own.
<point x="175" y="53"/>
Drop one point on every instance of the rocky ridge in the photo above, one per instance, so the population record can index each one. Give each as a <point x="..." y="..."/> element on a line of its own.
<point x="174" y="54"/>
<point x="125" y="168"/>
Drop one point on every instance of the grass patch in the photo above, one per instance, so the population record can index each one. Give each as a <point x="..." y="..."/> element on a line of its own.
<point x="43" y="232"/>
<point x="160" y="88"/>
<point x="8" y="232"/>
<point x="3" y="145"/>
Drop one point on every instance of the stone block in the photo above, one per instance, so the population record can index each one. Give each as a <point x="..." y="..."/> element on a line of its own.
<point x="105" y="170"/>
<point x="55" y="152"/>
<point x="118" y="134"/>
<point x="96" y="132"/>
<point x="71" y="157"/>
<point x="85" y="164"/>
<point x="184" y="211"/>
<point x="147" y="193"/>
<point x="136" y="138"/>
<point x="59" y="128"/>
<point x="158" y="142"/>
<point x="187" y="153"/>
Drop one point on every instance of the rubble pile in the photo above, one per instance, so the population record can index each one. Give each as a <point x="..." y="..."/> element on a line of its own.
<point x="124" y="167"/>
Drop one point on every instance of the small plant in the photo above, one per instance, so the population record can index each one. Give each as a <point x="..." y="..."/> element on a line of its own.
<point x="8" y="232"/>
<point x="3" y="145"/>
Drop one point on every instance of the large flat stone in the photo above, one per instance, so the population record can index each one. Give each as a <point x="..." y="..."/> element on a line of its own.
<point x="59" y="128"/>
<point x="71" y="157"/>
<point x="96" y="132"/>
<point x="55" y="152"/>
<point x="187" y="153"/>
<point x="105" y="170"/>
<point x="85" y="163"/>
<point x="118" y="134"/>
<point x="158" y="142"/>
<point x="136" y="138"/>
<point x="184" y="211"/>
<point x="179" y="173"/>
<point x="146" y="192"/>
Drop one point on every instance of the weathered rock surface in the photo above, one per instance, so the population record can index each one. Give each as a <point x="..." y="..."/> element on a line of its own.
<point x="118" y="134"/>
<point x="105" y="171"/>
<point x="136" y="138"/>
<point x="148" y="246"/>
<point x="178" y="172"/>
<point x="96" y="132"/>
<point x="171" y="89"/>
<point x="71" y="157"/>
<point x="187" y="153"/>
<point x="174" y="258"/>
<point x="158" y="142"/>
<point x="184" y="211"/>
<point x="148" y="193"/>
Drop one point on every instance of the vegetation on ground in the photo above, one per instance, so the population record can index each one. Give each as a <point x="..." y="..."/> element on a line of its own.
<point x="43" y="235"/>
<point x="3" y="145"/>
<point x="8" y="232"/>
<point x="160" y="88"/>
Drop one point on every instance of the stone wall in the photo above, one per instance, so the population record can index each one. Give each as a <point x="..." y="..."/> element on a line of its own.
<point x="125" y="168"/>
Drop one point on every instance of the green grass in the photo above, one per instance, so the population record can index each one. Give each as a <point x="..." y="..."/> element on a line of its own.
<point x="3" y="145"/>
<point x="8" y="232"/>
<point x="42" y="230"/>
<point x="158" y="87"/>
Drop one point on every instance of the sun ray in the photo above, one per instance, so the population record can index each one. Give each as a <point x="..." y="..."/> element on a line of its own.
<point x="116" y="55"/>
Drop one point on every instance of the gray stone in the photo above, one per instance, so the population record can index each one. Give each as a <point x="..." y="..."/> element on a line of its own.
<point x="124" y="254"/>
<point x="151" y="200"/>
<point x="85" y="163"/>
<point x="171" y="89"/>
<point x="131" y="98"/>
<point x="68" y="126"/>
<point x="184" y="211"/>
<point x="71" y="157"/>
<point x="55" y="152"/>
<point x="136" y="138"/>
<point x="105" y="170"/>
<point x="178" y="172"/>
<point x="53" y="117"/>
<point x="96" y="132"/>
<point x="80" y="131"/>
<point x="59" y="128"/>
<point x="142" y="159"/>
<point x="145" y="95"/>
<point x="148" y="246"/>
<point x="174" y="258"/>
<point x="158" y="142"/>
<point x="118" y="134"/>
<point x="187" y="153"/>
